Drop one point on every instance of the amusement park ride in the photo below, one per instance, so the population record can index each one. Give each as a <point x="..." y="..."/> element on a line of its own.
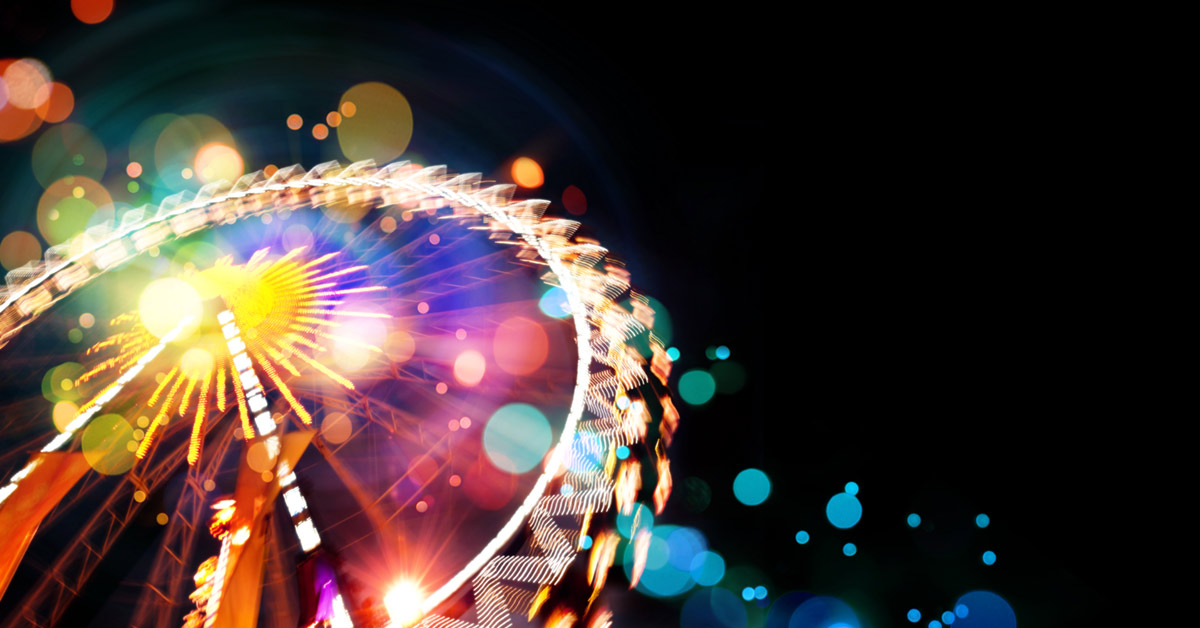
<point x="352" y="401"/>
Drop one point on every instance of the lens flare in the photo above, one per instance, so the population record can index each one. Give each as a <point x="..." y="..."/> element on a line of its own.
<point x="403" y="603"/>
<point x="165" y="303"/>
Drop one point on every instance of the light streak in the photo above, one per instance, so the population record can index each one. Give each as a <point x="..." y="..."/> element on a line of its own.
<point x="221" y="389"/>
<point x="161" y="385"/>
<point x="92" y="408"/>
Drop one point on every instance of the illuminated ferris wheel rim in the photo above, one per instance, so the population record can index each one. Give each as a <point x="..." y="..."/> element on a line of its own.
<point x="363" y="175"/>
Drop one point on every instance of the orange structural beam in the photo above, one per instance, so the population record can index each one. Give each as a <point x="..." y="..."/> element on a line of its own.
<point x="20" y="515"/>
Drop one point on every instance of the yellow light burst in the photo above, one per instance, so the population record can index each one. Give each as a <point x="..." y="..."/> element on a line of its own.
<point x="280" y="312"/>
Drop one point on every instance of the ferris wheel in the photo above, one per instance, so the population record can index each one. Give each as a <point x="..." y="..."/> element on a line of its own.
<point x="346" y="396"/>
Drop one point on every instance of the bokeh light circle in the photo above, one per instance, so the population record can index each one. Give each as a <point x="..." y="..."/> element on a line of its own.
<point x="336" y="428"/>
<point x="843" y="510"/>
<point x="63" y="413"/>
<point x="58" y="383"/>
<point x="469" y="368"/>
<point x="685" y="545"/>
<point x="195" y="362"/>
<point x="707" y="568"/>
<point x="68" y="206"/>
<point x="351" y="348"/>
<point x="259" y="458"/>
<point x="823" y="612"/>
<point x="179" y="144"/>
<point x="527" y="173"/>
<point x="985" y="609"/>
<point x="574" y="201"/>
<point x="730" y="376"/>
<point x="553" y="303"/>
<point x="91" y="11"/>
<point x="697" y="387"/>
<point x="19" y="248"/>
<point x="105" y="444"/>
<point x="401" y="346"/>
<point x="58" y="101"/>
<point x="639" y="517"/>
<point x="16" y="123"/>
<point x="216" y="162"/>
<point x="517" y="437"/>
<point x="23" y="80"/>
<point x="520" y="346"/>
<point x="382" y="124"/>
<point x="488" y="489"/>
<point x="661" y="576"/>
<point x="165" y="302"/>
<point x="297" y="235"/>
<point x="143" y="140"/>
<point x="751" y="487"/>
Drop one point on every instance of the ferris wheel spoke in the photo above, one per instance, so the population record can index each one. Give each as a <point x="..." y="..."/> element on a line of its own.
<point x="404" y="261"/>
<point x="408" y="428"/>
<point x="398" y="510"/>
<point x="26" y="416"/>
<point x="166" y="584"/>
<point x="417" y="493"/>
<point x="370" y="505"/>
<point x="367" y="505"/>
<point x="145" y="476"/>
<point x="421" y="281"/>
